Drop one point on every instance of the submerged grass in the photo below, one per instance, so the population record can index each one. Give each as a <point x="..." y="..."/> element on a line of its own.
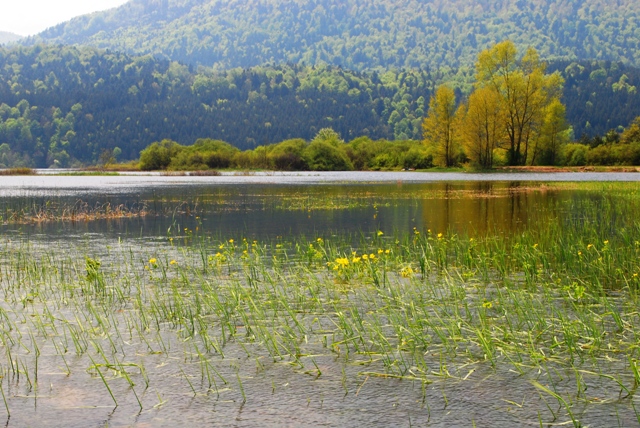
<point x="557" y="307"/>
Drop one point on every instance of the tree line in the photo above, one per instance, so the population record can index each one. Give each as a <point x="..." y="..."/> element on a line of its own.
<point x="328" y="152"/>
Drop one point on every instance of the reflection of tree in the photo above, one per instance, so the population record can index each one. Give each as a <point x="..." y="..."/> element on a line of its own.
<point x="478" y="208"/>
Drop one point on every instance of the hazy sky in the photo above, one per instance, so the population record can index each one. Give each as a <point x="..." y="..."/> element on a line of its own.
<point x="28" y="17"/>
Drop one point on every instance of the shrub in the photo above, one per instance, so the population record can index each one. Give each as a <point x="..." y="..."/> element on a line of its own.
<point x="323" y="156"/>
<point x="574" y="154"/>
<point x="417" y="159"/>
<point x="287" y="155"/>
<point x="158" y="155"/>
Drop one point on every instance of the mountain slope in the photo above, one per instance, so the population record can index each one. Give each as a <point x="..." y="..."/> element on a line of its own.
<point x="58" y="104"/>
<point x="6" y="37"/>
<point x="357" y="34"/>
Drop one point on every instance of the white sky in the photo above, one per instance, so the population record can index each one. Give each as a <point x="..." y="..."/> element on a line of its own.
<point x="28" y="17"/>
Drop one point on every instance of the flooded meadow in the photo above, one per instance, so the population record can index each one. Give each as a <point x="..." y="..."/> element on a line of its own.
<point x="320" y="300"/>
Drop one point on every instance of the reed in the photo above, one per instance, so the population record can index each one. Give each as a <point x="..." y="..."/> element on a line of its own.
<point x="18" y="171"/>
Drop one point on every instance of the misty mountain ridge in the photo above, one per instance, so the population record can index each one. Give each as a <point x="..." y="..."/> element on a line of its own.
<point x="6" y="37"/>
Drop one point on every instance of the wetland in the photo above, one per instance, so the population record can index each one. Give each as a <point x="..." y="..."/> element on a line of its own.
<point x="320" y="300"/>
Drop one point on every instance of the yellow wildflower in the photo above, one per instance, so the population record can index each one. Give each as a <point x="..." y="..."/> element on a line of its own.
<point x="173" y="262"/>
<point x="380" y="233"/>
<point x="342" y="261"/>
<point x="406" y="272"/>
<point x="153" y="261"/>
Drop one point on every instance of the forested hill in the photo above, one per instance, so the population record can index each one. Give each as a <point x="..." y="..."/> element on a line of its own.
<point x="8" y="37"/>
<point x="58" y="104"/>
<point x="358" y="34"/>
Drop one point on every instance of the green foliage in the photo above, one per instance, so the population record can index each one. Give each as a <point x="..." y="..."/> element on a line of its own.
<point x="327" y="153"/>
<point x="357" y="34"/>
<point x="159" y="155"/>
<point x="61" y="106"/>
<point x="78" y="101"/>
<point x="612" y="149"/>
<point x="287" y="155"/>
<point x="322" y="156"/>
<point x="596" y="106"/>
<point x="614" y="154"/>
<point x="575" y="154"/>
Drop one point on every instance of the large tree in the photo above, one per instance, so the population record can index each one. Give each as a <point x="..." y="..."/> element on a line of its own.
<point x="483" y="127"/>
<point x="440" y="127"/>
<point x="525" y="93"/>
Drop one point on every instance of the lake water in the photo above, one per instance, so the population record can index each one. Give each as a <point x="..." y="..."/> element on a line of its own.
<point x="276" y="204"/>
<point x="167" y="212"/>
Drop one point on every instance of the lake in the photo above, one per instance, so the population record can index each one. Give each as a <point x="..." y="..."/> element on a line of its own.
<point x="306" y="299"/>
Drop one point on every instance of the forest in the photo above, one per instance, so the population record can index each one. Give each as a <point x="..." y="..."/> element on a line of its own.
<point x="357" y="34"/>
<point x="62" y="106"/>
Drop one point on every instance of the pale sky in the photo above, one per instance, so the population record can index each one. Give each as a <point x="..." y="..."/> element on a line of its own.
<point x="28" y="17"/>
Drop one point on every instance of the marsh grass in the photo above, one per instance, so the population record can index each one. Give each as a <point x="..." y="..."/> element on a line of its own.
<point x="557" y="307"/>
<point x="35" y="210"/>
<point x="18" y="171"/>
<point x="80" y="211"/>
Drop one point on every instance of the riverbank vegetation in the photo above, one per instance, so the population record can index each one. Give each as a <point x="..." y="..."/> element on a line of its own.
<point x="328" y="152"/>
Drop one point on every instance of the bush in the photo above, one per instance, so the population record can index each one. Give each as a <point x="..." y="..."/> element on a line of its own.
<point x="417" y="159"/>
<point x="323" y="156"/>
<point x="287" y="155"/>
<point x="158" y="156"/>
<point x="574" y="154"/>
<point x="217" y="160"/>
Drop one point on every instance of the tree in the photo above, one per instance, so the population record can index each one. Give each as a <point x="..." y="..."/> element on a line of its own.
<point x="555" y="133"/>
<point x="440" y="130"/>
<point x="632" y="133"/>
<point x="483" y="127"/>
<point x="525" y="92"/>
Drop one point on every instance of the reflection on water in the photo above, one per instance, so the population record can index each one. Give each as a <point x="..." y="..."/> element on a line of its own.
<point x="279" y="393"/>
<point x="261" y="211"/>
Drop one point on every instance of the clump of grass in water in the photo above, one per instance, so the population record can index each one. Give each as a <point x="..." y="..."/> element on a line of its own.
<point x="18" y="171"/>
